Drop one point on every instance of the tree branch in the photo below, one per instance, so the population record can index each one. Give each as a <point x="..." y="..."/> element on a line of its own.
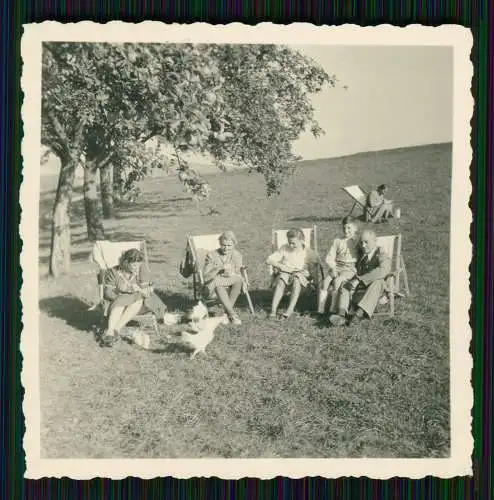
<point x="151" y="135"/>
<point x="58" y="129"/>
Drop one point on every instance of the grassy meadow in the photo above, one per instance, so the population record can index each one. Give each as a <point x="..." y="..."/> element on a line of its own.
<point x="268" y="388"/>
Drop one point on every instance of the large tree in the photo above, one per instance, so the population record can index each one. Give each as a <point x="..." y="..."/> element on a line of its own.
<point x="69" y="104"/>
<point x="245" y="104"/>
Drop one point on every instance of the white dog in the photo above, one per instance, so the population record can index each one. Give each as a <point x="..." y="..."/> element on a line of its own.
<point x="203" y="328"/>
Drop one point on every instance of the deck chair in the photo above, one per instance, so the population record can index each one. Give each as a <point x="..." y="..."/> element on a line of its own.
<point x="106" y="254"/>
<point x="199" y="246"/>
<point x="359" y="197"/>
<point x="397" y="280"/>
<point x="278" y="239"/>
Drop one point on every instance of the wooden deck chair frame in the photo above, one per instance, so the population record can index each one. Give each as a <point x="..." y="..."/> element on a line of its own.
<point x="198" y="264"/>
<point x="105" y="263"/>
<point x="359" y="197"/>
<point x="276" y="244"/>
<point x="397" y="280"/>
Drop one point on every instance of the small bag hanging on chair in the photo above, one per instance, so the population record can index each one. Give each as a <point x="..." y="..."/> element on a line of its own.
<point x="187" y="264"/>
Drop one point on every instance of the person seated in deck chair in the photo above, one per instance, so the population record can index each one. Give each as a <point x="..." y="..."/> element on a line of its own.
<point x="294" y="264"/>
<point x="222" y="274"/>
<point x="341" y="260"/>
<point x="364" y="290"/>
<point x="380" y="208"/>
<point x="129" y="290"/>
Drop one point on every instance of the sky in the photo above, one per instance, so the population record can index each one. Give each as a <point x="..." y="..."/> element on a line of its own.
<point x="396" y="97"/>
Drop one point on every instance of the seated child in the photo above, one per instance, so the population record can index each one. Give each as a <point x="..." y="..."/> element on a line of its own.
<point x="291" y="264"/>
<point x="128" y="291"/>
<point x="341" y="260"/>
<point x="222" y="274"/>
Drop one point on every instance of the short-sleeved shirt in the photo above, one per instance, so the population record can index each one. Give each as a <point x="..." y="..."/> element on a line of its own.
<point x="290" y="257"/>
<point x="117" y="281"/>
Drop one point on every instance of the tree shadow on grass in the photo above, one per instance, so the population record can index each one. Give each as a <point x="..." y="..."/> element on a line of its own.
<point x="72" y="310"/>
<point x="315" y="218"/>
<point x="171" y="347"/>
<point x="176" y="301"/>
<point x="81" y="256"/>
<point x="262" y="298"/>
<point x="147" y="209"/>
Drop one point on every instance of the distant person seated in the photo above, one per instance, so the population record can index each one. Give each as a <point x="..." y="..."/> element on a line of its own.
<point x="294" y="265"/>
<point x="128" y="289"/>
<point x="222" y="274"/>
<point x="341" y="260"/>
<point x="378" y="207"/>
<point x="363" y="291"/>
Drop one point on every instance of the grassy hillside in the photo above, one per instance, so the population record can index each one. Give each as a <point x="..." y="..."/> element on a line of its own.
<point x="268" y="388"/>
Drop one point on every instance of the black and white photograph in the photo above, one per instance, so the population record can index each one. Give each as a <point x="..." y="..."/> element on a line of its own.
<point x="246" y="250"/>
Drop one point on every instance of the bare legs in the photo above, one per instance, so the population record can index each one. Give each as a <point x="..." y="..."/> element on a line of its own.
<point x="119" y="317"/>
<point x="229" y="299"/>
<point x="278" y="295"/>
<point x="383" y="212"/>
<point x="323" y="294"/>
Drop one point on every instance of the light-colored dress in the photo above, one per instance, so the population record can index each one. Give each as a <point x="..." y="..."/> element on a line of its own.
<point x="216" y="263"/>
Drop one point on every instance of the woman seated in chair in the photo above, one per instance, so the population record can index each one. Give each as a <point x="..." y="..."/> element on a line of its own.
<point x="222" y="274"/>
<point x="128" y="289"/>
<point x="293" y="265"/>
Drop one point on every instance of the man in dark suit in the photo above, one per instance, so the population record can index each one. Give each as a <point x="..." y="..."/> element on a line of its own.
<point x="366" y="287"/>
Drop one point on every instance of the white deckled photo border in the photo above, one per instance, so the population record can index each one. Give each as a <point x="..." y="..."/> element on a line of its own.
<point x="461" y="362"/>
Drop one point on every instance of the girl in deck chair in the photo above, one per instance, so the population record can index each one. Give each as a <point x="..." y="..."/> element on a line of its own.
<point x="291" y="263"/>
<point x="128" y="288"/>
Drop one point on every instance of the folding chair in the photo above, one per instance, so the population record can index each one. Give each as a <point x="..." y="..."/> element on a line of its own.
<point x="316" y="271"/>
<point x="398" y="275"/>
<point x="199" y="246"/>
<point x="107" y="254"/>
<point x="359" y="196"/>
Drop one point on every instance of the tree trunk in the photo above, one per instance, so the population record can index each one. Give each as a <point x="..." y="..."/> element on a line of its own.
<point x="106" y="186"/>
<point x="60" y="233"/>
<point x="91" y="203"/>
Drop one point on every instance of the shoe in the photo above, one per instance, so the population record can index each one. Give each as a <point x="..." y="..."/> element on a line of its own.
<point x="352" y="319"/>
<point x="235" y="320"/>
<point x="358" y="316"/>
<point x="383" y="300"/>
<point x="337" y="320"/>
<point x="108" y="340"/>
<point x="286" y="315"/>
<point x="272" y="316"/>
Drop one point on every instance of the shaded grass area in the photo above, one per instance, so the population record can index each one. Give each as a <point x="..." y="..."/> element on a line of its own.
<point x="268" y="388"/>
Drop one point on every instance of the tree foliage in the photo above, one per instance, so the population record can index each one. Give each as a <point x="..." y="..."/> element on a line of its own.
<point x="244" y="104"/>
<point x="240" y="104"/>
